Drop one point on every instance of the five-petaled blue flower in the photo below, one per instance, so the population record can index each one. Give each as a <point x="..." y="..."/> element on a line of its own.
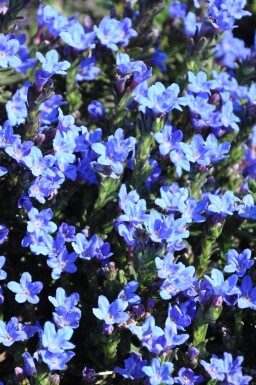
<point x="26" y="290"/>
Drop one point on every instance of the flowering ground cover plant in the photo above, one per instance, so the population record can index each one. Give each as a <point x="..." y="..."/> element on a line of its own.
<point x="128" y="188"/>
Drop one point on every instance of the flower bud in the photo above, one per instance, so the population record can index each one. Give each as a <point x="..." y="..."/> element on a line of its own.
<point x="54" y="379"/>
<point x="108" y="329"/>
<point x="192" y="356"/>
<point x="88" y="374"/>
<point x="139" y="310"/>
<point x="110" y="271"/>
<point x="19" y="374"/>
<point x="150" y="303"/>
<point x="217" y="301"/>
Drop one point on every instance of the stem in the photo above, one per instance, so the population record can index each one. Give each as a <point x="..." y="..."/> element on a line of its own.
<point x="209" y="239"/>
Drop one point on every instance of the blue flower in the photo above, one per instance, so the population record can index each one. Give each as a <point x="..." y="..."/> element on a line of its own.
<point x="29" y="365"/>
<point x="87" y="70"/>
<point x="198" y="83"/>
<point x="94" y="247"/>
<point x="96" y="109"/>
<point x="3" y="274"/>
<point x="215" y="368"/>
<point x="61" y="299"/>
<point x="127" y="294"/>
<point x="1" y="295"/>
<point x="3" y="171"/>
<point x="161" y="100"/>
<point x="66" y="317"/>
<point x="126" y="31"/>
<point x="133" y="367"/>
<point x="191" y="210"/>
<point x="18" y="150"/>
<point x="247" y="298"/>
<point x="64" y="145"/>
<point x="11" y="332"/>
<point x="158" y="58"/>
<point x="49" y="109"/>
<point x="150" y="335"/>
<point x="56" y="361"/>
<point x="7" y="137"/>
<point x="134" y="212"/>
<point x="111" y="313"/>
<point x="138" y="69"/>
<point x="62" y="262"/>
<point x="157" y="226"/>
<point x="76" y="37"/>
<point x="186" y="376"/>
<point x="111" y="31"/>
<point x="225" y="289"/>
<point x="226" y="117"/>
<point x="39" y="222"/>
<point x="125" y="197"/>
<point x="247" y="208"/>
<point x="172" y="338"/>
<point x="56" y="342"/>
<point x="168" y="138"/>
<point x="51" y="64"/>
<point x="217" y="151"/>
<point x="166" y="266"/>
<point x="231" y="49"/>
<point x="9" y="48"/>
<point x="180" y="280"/>
<point x="180" y="319"/>
<point x="196" y="151"/>
<point x="39" y="164"/>
<point x="115" y="151"/>
<point x="226" y="369"/>
<point x="49" y="17"/>
<point x="158" y="373"/>
<point x="223" y="205"/>
<point x="3" y="233"/>
<point x="190" y="24"/>
<point x="26" y="290"/>
<point x="180" y="161"/>
<point x="26" y="61"/>
<point x="177" y="10"/>
<point x="225" y="12"/>
<point x="238" y="263"/>
<point x="16" y="108"/>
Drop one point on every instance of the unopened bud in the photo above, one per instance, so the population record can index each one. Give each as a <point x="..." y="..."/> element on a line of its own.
<point x="88" y="374"/>
<point x="150" y="303"/>
<point x="54" y="379"/>
<point x="108" y="329"/>
<point x="110" y="271"/>
<point x="192" y="356"/>
<point x="138" y="310"/>
<point x="217" y="301"/>
<point x="19" y="374"/>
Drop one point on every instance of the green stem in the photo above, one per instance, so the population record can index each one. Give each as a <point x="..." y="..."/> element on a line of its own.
<point x="208" y="243"/>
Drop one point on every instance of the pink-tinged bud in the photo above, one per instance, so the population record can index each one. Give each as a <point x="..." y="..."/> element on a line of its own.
<point x="108" y="329"/>
<point x="39" y="139"/>
<point x="217" y="301"/>
<point x="110" y="271"/>
<point x="86" y="233"/>
<point x="215" y="98"/>
<point x="19" y="374"/>
<point x="88" y="22"/>
<point x="54" y="379"/>
<point x="192" y="356"/>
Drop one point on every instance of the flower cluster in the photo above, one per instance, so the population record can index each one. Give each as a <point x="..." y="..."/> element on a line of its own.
<point x="128" y="186"/>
